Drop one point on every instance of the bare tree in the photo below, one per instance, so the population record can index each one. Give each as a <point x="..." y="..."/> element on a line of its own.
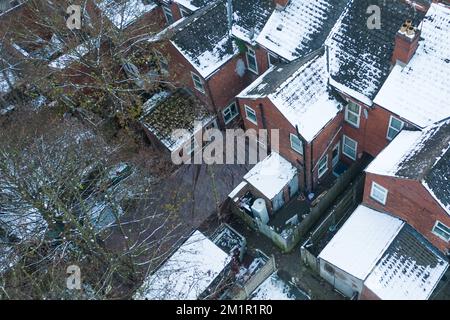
<point x="103" y="67"/>
<point x="63" y="201"/>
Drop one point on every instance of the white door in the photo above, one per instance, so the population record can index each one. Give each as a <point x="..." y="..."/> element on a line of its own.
<point x="278" y="202"/>
<point x="336" y="154"/>
<point x="293" y="186"/>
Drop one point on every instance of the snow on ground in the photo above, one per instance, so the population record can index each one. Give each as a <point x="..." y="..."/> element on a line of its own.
<point x="187" y="273"/>
<point x="273" y="288"/>
<point x="271" y="175"/>
<point x="361" y="241"/>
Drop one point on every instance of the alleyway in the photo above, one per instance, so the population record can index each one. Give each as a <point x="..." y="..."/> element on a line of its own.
<point x="289" y="263"/>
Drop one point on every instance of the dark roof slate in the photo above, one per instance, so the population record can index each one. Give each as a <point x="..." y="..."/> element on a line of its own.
<point x="361" y="57"/>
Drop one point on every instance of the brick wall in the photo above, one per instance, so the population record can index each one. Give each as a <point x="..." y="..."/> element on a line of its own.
<point x="321" y="145"/>
<point x="220" y="89"/>
<point x="367" y="294"/>
<point x="371" y="134"/>
<point x="410" y="201"/>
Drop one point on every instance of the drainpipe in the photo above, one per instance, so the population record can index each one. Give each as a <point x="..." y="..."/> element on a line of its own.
<point x="264" y="125"/>
<point x="210" y="96"/>
<point x="304" y="153"/>
<point x="263" y="117"/>
<point x="312" y="166"/>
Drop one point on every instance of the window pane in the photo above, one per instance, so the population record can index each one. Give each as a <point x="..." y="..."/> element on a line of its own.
<point x="443" y="227"/>
<point x="350" y="143"/>
<point x="349" y="151"/>
<point x="323" y="166"/>
<point x="251" y="60"/>
<point x="251" y="115"/>
<point x="352" y="118"/>
<point x="397" y="124"/>
<point x="441" y="232"/>
<point x="392" y="133"/>
<point x="296" y="144"/>
<point x="230" y="113"/>
<point x="353" y="107"/>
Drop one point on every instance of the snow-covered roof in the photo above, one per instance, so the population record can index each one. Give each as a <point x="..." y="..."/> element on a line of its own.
<point x="420" y="155"/>
<point x="271" y="175"/>
<point x="192" y="5"/>
<point x="75" y="54"/>
<point x="206" y="41"/>
<point x="249" y="21"/>
<point x="388" y="160"/>
<point x="300" y="92"/>
<point x="419" y="92"/>
<point x="187" y="273"/>
<point x="362" y="240"/>
<point x="275" y="288"/>
<point x="166" y="112"/>
<point x="301" y="27"/>
<point x="410" y="268"/>
<point x="123" y="14"/>
<point x="360" y="57"/>
<point x="236" y="190"/>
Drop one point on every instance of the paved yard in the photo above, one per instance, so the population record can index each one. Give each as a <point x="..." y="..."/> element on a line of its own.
<point x="289" y="263"/>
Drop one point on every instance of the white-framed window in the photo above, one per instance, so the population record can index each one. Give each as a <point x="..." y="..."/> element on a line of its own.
<point x="184" y="13"/>
<point x="296" y="143"/>
<point x="198" y="83"/>
<point x="353" y="114"/>
<point x="272" y="59"/>
<point x="168" y="14"/>
<point x="230" y="112"/>
<point x="395" y="126"/>
<point x="378" y="193"/>
<point x="442" y="231"/>
<point x="323" y="165"/>
<point x="252" y="63"/>
<point x="250" y="114"/>
<point x="349" y="147"/>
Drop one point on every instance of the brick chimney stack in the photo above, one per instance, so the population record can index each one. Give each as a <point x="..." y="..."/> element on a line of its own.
<point x="406" y="43"/>
<point x="281" y="4"/>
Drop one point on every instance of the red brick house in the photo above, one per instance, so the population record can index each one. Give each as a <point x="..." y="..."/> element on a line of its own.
<point x="409" y="179"/>
<point x="360" y="62"/>
<point x="295" y="99"/>
<point x="204" y="55"/>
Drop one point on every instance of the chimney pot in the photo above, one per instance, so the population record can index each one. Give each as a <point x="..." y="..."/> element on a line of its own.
<point x="281" y="4"/>
<point x="406" y="43"/>
<point x="411" y="31"/>
<point x="403" y="28"/>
